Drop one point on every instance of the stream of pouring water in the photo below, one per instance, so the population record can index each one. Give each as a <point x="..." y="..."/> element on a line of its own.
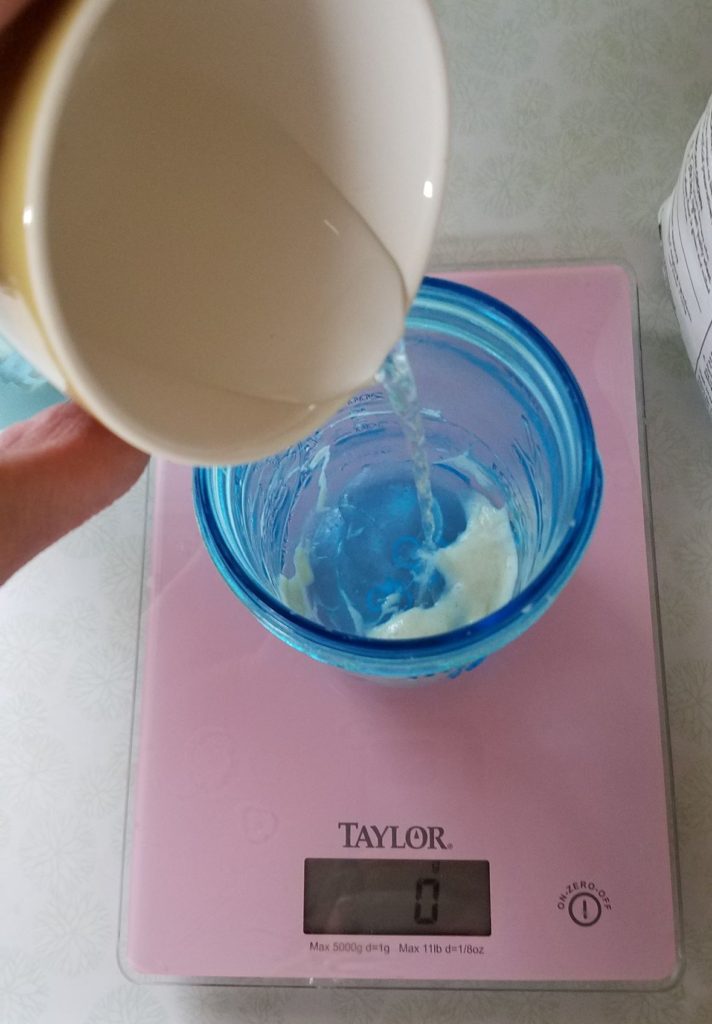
<point x="397" y="379"/>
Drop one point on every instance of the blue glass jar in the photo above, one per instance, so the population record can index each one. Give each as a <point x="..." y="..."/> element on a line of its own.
<point x="503" y="415"/>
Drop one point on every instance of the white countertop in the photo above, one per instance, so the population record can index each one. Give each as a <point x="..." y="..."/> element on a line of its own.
<point x="570" y="118"/>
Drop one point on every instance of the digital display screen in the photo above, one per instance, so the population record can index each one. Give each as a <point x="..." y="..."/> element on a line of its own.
<point x="396" y="897"/>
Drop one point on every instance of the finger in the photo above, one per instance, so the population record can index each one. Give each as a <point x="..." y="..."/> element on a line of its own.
<point x="56" y="471"/>
<point x="9" y="9"/>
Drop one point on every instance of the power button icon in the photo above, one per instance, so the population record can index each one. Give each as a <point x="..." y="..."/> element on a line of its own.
<point x="585" y="909"/>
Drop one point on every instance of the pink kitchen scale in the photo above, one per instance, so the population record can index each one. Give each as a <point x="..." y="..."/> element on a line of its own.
<point x="292" y="825"/>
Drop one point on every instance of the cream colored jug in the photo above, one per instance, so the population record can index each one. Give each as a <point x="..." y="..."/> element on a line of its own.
<point x="214" y="216"/>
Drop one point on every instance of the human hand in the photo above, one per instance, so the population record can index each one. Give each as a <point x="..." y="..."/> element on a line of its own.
<point x="58" y="468"/>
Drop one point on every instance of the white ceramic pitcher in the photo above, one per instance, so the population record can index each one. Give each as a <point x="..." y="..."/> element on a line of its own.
<point x="214" y="215"/>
